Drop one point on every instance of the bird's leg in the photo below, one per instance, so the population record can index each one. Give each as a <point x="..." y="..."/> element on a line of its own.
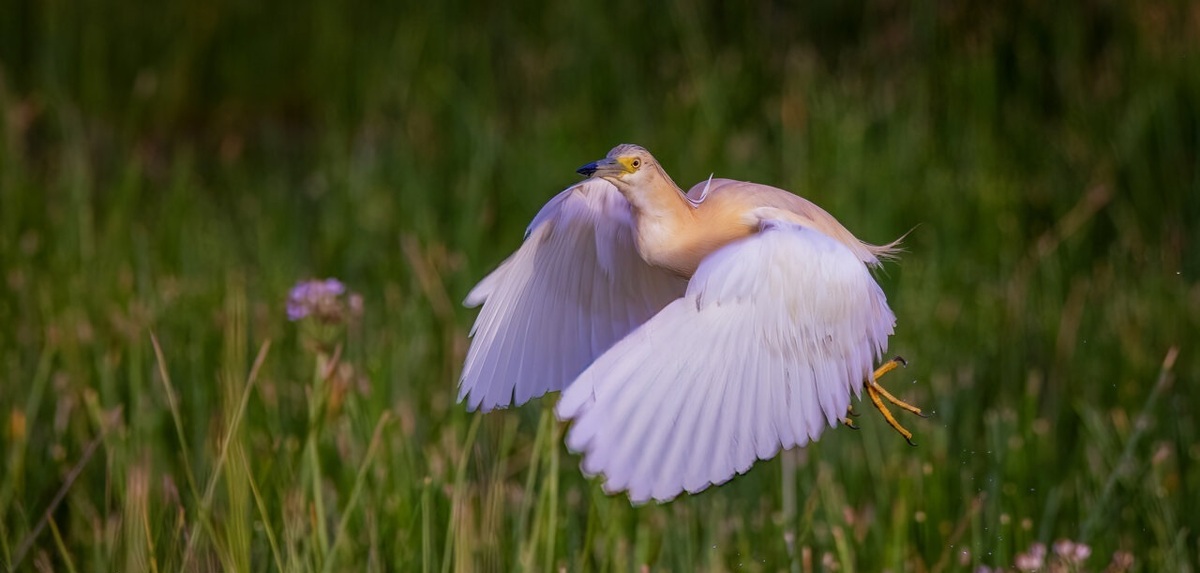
<point x="884" y="369"/>
<point x="875" y="391"/>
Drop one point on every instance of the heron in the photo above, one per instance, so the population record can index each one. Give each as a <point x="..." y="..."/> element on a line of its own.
<point x="690" y="333"/>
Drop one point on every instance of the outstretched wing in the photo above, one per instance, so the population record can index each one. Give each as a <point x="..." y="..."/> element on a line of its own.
<point x="576" y="286"/>
<point x="774" y="334"/>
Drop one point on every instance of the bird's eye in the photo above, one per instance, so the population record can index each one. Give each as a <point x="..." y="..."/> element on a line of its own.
<point x="636" y="163"/>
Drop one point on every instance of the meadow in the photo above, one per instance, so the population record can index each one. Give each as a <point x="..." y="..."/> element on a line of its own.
<point x="168" y="172"/>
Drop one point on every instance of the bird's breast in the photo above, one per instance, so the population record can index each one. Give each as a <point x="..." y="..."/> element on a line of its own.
<point x="680" y="243"/>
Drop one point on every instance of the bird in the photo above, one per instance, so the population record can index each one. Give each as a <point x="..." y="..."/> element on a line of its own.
<point x="690" y="333"/>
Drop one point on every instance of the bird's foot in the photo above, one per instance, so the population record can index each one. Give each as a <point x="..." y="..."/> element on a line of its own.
<point x="848" y="419"/>
<point x="878" y="394"/>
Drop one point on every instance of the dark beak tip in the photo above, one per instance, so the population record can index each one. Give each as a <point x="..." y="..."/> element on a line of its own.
<point x="587" y="170"/>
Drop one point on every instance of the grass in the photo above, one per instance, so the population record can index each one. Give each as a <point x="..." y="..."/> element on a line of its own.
<point x="167" y="172"/>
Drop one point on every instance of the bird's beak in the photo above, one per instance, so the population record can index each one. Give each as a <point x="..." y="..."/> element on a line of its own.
<point x="606" y="167"/>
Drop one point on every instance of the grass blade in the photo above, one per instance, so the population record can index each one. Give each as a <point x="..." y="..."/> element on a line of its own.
<point x="354" y="492"/>
<point x="206" y="500"/>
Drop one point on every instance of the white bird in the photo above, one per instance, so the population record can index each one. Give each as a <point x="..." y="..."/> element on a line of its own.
<point x="691" y="333"/>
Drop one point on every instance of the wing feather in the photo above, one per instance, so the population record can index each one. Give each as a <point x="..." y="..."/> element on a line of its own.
<point x="764" y="350"/>
<point x="574" y="288"/>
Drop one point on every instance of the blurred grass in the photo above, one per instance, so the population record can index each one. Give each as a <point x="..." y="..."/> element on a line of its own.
<point x="172" y="169"/>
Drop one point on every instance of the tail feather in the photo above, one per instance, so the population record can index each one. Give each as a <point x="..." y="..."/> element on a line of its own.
<point x="889" y="252"/>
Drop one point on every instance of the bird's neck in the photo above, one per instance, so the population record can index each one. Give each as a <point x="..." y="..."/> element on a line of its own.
<point x="661" y="199"/>
<point x="661" y="215"/>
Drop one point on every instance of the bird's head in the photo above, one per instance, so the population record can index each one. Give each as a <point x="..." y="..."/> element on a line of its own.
<point x="627" y="166"/>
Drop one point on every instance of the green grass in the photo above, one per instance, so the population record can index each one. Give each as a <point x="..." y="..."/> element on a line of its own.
<point x="167" y="172"/>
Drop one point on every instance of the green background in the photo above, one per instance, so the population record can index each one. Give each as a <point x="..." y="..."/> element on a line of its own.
<point x="174" y="168"/>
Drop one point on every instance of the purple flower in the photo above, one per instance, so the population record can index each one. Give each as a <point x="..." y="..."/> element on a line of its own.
<point x="1071" y="552"/>
<point x="321" y="299"/>
<point x="1032" y="560"/>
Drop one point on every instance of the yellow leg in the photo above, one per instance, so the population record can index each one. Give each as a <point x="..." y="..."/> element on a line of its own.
<point x="898" y="402"/>
<point x="875" y="391"/>
<point x="888" y="366"/>
<point x="887" y="414"/>
<point x="884" y="369"/>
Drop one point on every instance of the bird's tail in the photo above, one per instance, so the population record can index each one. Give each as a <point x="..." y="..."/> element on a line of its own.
<point x="890" y="251"/>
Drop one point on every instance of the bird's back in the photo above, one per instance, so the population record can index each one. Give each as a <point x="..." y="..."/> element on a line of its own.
<point x="726" y="202"/>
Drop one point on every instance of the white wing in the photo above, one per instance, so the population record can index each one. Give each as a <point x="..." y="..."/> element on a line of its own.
<point x="763" y="351"/>
<point x="575" y="287"/>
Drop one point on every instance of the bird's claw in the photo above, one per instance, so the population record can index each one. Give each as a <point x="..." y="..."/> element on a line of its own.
<point x="878" y="394"/>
